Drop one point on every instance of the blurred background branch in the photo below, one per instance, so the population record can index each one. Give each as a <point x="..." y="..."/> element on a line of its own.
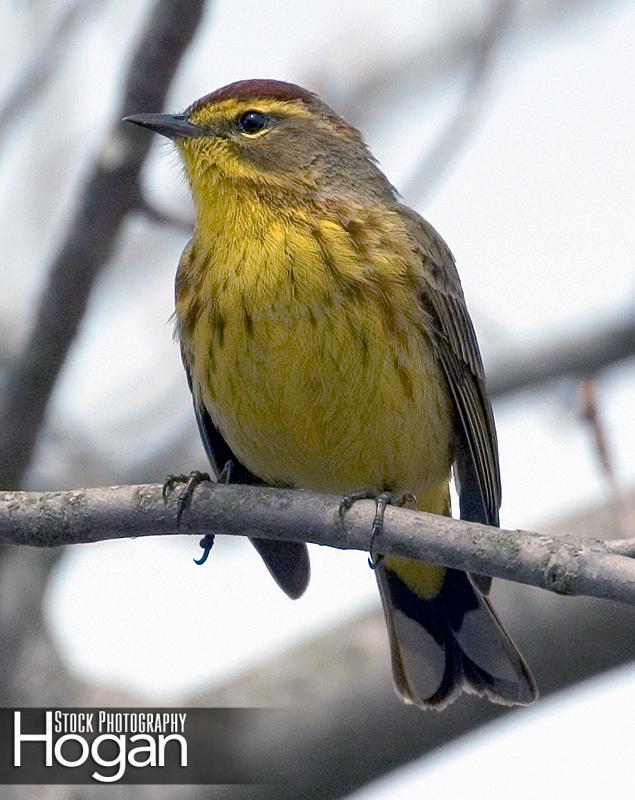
<point x="29" y="664"/>
<point x="111" y="191"/>
<point x="163" y="217"/>
<point x="419" y="71"/>
<point x="586" y="352"/>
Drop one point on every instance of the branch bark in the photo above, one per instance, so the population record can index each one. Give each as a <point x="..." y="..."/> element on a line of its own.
<point x="570" y="566"/>
<point x="112" y="190"/>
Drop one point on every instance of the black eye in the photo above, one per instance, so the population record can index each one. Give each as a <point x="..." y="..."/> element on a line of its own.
<point x="253" y="122"/>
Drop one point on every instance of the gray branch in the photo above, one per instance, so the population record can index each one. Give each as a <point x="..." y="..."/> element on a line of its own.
<point x="570" y="566"/>
<point x="111" y="191"/>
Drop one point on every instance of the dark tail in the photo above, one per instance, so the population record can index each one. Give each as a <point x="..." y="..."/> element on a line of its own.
<point x="445" y="637"/>
<point x="288" y="563"/>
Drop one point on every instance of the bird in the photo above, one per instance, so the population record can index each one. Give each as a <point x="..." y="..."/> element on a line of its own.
<point x="328" y="346"/>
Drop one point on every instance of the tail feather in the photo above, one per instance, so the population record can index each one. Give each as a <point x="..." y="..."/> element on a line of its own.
<point x="288" y="564"/>
<point x="445" y="637"/>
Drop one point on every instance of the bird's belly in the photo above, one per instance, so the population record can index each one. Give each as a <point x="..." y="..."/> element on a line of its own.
<point x="331" y="404"/>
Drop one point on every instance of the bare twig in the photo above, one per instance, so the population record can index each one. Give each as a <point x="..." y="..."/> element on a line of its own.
<point x="591" y="416"/>
<point x="590" y="413"/>
<point x="426" y="174"/>
<point x="572" y="567"/>
<point x="111" y="191"/>
<point x="623" y="547"/>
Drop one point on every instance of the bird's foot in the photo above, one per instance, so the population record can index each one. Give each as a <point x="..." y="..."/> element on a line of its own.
<point x="382" y="499"/>
<point x="190" y="482"/>
<point x="226" y="472"/>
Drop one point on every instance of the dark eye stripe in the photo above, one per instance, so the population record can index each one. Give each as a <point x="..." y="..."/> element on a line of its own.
<point x="252" y="122"/>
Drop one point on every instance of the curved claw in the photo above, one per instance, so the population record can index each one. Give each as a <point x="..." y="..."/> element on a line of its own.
<point x="191" y="482"/>
<point x="381" y="501"/>
<point x="407" y="498"/>
<point x="170" y="482"/>
<point x="207" y="542"/>
<point x="349" y="500"/>
<point x="345" y="503"/>
<point x="226" y="473"/>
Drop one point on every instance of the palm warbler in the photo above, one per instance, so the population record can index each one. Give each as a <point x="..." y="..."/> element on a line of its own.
<point x="328" y="346"/>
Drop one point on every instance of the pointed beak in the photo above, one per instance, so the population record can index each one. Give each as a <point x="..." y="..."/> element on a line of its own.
<point x="174" y="126"/>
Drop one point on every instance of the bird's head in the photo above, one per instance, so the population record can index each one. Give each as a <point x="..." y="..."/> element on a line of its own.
<point x="269" y="135"/>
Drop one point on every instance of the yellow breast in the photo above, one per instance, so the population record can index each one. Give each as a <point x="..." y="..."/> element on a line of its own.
<point x="307" y="346"/>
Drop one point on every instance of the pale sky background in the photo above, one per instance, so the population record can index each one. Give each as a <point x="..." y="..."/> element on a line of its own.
<point x="539" y="212"/>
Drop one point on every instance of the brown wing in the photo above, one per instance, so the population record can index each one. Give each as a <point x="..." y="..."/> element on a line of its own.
<point x="476" y="447"/>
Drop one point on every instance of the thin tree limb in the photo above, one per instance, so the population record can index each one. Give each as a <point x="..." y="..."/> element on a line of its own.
<point x="624" y="547"/>
<point x="565" y="566"/>
<point x="111" y="191"/>
<point x="591" y="416"/>
<point x="346" y="726"/>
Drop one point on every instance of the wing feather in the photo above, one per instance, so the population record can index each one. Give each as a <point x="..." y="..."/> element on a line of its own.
<point x="453" y="337"/>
